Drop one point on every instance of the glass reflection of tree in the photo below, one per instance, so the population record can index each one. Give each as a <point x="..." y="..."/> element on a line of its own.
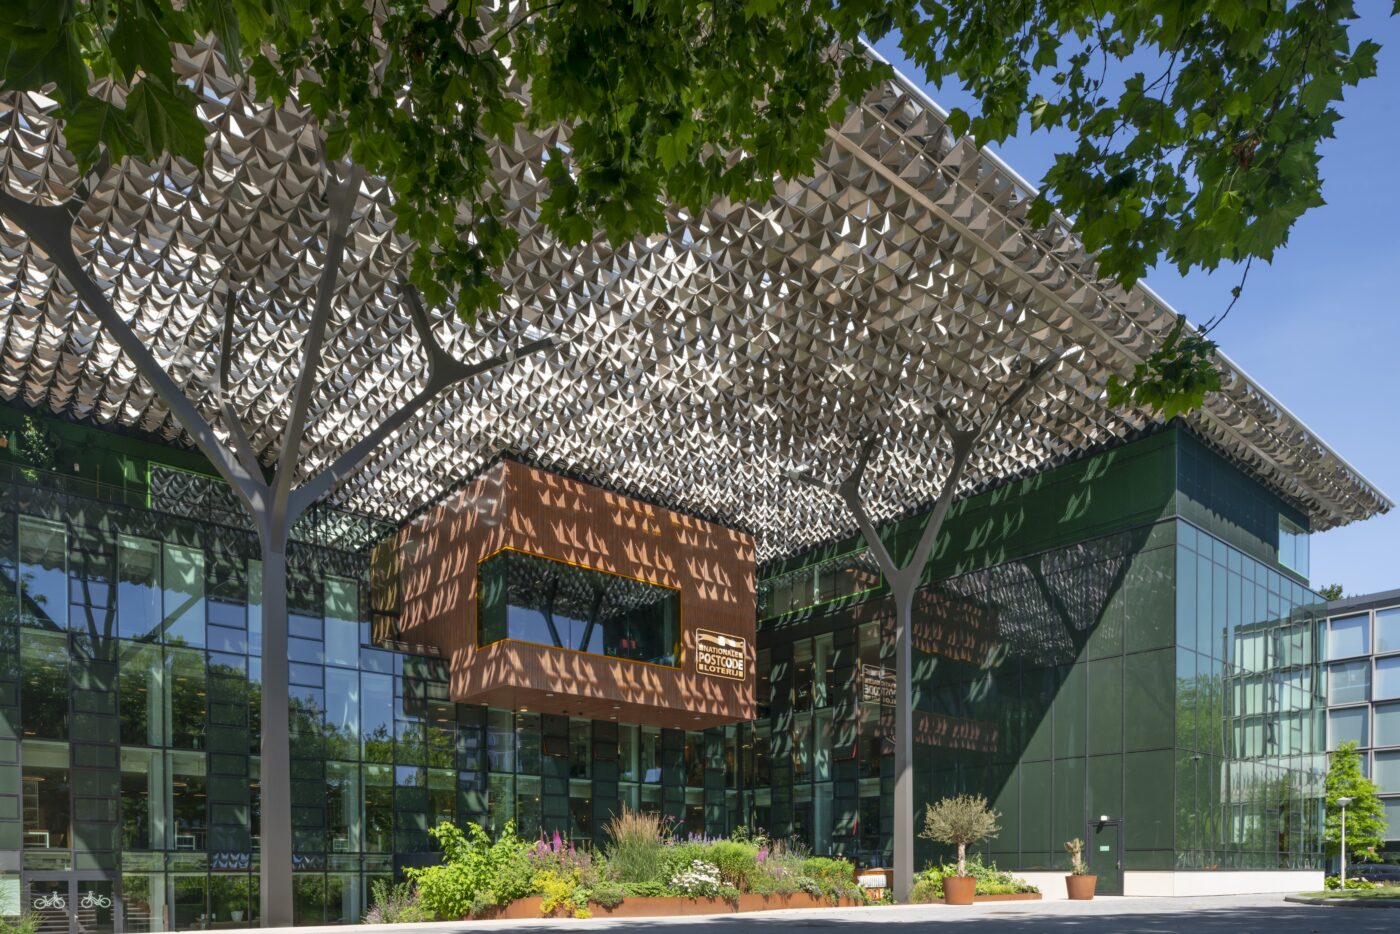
<point x="378" y="745"/>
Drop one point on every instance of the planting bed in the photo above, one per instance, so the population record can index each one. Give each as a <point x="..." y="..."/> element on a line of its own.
<point x="533" y="907"/>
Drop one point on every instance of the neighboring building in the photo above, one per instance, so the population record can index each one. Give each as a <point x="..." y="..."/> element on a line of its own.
<point x="590" y="580"/>
<point x="1363" y="692"/>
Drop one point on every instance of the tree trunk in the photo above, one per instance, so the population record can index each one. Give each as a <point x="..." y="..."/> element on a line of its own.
<point x="962" y="859"/>
<point x="275" y="891"/>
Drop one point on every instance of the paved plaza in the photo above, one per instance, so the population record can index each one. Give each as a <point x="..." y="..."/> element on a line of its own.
<point x="1267" y="914"/>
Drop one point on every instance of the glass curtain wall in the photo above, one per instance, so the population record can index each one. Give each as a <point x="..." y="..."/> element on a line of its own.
<point x="134" y="680"/>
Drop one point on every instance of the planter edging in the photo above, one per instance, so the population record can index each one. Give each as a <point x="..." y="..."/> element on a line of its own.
<point x="665" y="906"/>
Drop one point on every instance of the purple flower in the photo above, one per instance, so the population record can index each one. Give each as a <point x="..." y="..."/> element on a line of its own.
<point x="558" y="843"/>
<point x="762" y="854"/>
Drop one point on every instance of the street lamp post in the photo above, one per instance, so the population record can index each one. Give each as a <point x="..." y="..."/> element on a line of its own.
<point x="1344" y="802"/>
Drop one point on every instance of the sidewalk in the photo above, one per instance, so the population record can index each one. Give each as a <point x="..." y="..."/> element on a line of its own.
<point x="1263" y="914"/>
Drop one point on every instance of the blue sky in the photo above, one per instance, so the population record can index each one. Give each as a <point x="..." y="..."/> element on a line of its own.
<point x="1320" y="326"/>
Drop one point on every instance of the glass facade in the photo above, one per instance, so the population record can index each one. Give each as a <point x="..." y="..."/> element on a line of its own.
<point x="1082" y="648"/>
<point x="1363" y="693"/>
<point x="529" y="598"/>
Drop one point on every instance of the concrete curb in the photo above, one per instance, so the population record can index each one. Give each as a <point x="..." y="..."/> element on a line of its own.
<point x="1344" y="902"/>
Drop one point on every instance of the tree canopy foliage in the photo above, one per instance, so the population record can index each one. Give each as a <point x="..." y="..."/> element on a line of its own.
<point x="1366" y="824"/>
<point x="1197" y="123"/>
<point x="1330" y="592"/>
<point x="961" y="821"/>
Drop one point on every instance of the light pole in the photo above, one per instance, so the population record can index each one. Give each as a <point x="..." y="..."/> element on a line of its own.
<point x="1344" y="802"/>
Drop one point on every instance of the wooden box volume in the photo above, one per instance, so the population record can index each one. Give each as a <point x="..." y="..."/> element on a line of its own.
<point x="433" y="566"/>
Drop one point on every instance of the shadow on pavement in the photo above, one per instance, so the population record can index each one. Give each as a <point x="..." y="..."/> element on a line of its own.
<point x="1099" y="918"/>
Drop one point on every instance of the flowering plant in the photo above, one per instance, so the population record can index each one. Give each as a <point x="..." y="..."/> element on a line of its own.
<point x="699" y="879"/>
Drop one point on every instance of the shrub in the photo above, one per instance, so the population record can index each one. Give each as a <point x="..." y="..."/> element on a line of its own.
<point x="636" y="844"/>
<point x="644" y="889"/>
<point x="834" y="877"/>
<point x="561" y="857"/>
<point x="678" y="857"/>
<point x="609" y="894"/>
<point x="559" y="889"/>
<point x="737" y="863"/>
<point x="774" y="880"/>
<point x="928" y="885"/>
<point x="476" y="873"/>
<point x="757" y="836"/>
<point x="26" y="923"/>
<point x="960" y="821"/>
<point x="397" y="904"/>
<point x="1353" y="884"/>
<point x="698" y="880"/>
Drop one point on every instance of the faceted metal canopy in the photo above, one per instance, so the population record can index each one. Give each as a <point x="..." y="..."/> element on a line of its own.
<point x="696" y="369"/>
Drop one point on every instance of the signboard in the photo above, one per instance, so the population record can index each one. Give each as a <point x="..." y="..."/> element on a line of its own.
<point x="721" y="656"/>
<point x="877" y="685"/>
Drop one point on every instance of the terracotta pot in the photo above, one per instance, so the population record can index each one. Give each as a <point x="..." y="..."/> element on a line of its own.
<point x="1081" y="888"/>
<point x="958" y="890"/>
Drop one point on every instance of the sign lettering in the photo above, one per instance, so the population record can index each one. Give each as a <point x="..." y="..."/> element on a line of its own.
<point x="877" y="685"/>
<point x="721" y="656"/>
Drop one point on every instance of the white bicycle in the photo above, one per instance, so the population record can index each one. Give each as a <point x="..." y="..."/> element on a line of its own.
<point x="93" y="900"/>
<point x="51" y="901"/>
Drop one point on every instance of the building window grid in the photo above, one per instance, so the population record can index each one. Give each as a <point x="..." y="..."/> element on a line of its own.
<point x="1382" y="656"/>
<point x="76" y="585"/>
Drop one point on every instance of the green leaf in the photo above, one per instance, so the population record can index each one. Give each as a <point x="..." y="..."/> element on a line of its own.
<point x="41" y="52"/>
<point x="163" y="119"/>
<point x="674" y="147"/>
<point x="337" y="140"/>
<point x="221" y="18"/>
<point x="94" y="125"/>
<point x="1038" y="214"/>
<point x="140" y="41"/>
<point x="958" y="121"/>
<point x="267" y="80"/>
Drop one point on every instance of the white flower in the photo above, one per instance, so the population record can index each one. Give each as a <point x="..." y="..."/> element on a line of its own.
<point x="700" y="878"/>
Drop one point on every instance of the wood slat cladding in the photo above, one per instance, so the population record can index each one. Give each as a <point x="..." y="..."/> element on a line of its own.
<point x="516" y="506"/>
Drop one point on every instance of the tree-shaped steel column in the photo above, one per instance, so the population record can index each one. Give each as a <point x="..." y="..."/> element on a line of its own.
<point x="275" y="504"/>
<point x="903" y="581"/>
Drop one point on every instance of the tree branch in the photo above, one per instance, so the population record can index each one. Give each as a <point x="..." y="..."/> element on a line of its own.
<point x="341" y="201"/>
<point x="51" y="229"/>
<point x="238" y="438"/>
<point x="850" y="492"/>
<point x="441" y="364"/>
<point x="446" y="372"/>
<point x="964" y="442"/>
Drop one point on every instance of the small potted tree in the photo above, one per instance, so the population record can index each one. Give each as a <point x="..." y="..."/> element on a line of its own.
<point x="960" y="821"/>
<point x="1079" y="883"/>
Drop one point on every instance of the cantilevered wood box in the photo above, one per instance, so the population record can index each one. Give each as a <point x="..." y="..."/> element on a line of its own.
<point x="434" y="561"/>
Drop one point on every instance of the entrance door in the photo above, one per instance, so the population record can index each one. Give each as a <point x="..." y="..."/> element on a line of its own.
<point x="1105" y="856"/>
<point x="73" y="903"/>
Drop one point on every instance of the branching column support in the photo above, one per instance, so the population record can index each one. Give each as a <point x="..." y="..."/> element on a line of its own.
<point x="275" y="504"/>
<point x="903" y="581"/>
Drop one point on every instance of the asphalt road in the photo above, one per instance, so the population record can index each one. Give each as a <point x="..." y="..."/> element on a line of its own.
<point x="1264" y="914"/>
